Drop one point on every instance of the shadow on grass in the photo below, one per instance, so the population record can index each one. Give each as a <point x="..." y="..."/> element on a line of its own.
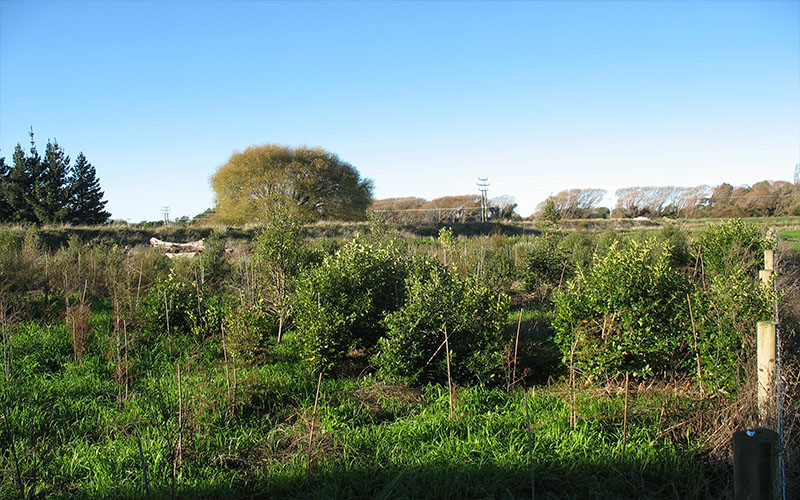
<point x="581" y="481"/>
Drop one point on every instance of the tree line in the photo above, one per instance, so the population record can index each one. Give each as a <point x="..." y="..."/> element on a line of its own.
<point x="50" y="189"/>
<point x="762" y="199"/>
<point x="461" y="208"/>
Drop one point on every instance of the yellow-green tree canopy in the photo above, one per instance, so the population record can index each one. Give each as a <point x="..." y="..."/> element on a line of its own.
<point x="315" y="181"/>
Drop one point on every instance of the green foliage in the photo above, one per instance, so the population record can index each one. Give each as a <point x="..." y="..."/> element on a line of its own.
<point x="678" y="241"/>
<point x="86" y="204"/>
<point x="214" y="267"/>
<point x="438" y="300"/>
<point x="48" y="190"/>
<point x="550" y="214"/>
<point x="341" y="303"/>
<point x="625" y="314"/>
<point x="312" y="180"/>
<point x="543" y="264"/>
<point x="170" y="306"/>
<point x="732" y="244"/>
<point x="247" y="331"/>
<point x="729" y="300"/>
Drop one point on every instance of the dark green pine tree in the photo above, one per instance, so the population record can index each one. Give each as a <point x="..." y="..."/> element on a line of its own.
<point x="17" y="186"/>
<point x="51" y="192"/>
<point x="5" y="208"/>
<point x="86" y="202"/>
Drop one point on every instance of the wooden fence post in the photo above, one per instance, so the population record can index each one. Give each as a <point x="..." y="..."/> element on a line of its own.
<point x="769" y="260"/>
<point x="765" y="354"/>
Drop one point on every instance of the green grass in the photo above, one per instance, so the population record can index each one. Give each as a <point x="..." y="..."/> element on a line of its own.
<point x="792" y="237"/>
<point x="75" y="439"/>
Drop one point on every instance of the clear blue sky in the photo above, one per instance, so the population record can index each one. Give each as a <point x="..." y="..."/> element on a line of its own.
<point x="423" y="98"/>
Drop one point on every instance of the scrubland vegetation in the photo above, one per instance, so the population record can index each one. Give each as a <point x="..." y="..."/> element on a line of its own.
<point x="387" y="365"/>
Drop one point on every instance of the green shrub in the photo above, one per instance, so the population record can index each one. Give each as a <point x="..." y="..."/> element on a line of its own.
<point x="341" y="303"/>
<point x="170" y="304"/>
<point x="247" y="329"/>
<point x="214" y="268"/>
<point x="729" y="301"/>
<point x="438" y="299"/>
<point x="626" y="314"/>
<point x="733" y="244"/>
<point x="544" y="263"/>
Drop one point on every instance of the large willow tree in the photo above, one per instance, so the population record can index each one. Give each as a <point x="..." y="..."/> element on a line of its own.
<point x="315" y="181"/>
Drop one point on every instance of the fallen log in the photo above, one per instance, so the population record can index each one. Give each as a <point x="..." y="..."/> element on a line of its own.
<point x="182" y="255"/>
<point x="176" y="248"/>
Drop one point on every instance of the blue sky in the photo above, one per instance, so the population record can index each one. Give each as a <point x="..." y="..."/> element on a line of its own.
<point x="421" y="97"/>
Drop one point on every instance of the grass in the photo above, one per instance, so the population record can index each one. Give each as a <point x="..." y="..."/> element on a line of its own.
<point x="792" y="237"/>
<point x="75" y="439"/>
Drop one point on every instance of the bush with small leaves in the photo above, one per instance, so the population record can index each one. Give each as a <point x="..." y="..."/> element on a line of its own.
<point x="439" y="301"/>
<point x="627" y="314"/>
<point x="341" y="303"/>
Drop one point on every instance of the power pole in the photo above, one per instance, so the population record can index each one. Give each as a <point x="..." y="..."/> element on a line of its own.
<point x="483" y="187"/>
<point x="165" y="211"/>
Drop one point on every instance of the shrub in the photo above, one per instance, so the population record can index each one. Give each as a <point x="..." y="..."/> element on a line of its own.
<point x="732" y="244"/>
<point x="437" y="299"/>
<point x="626" y="314"/>
<point x="729" y="301"/>
<point x="341" y="303"/>
<point x="247" y="329"/>
<point x="170" y="304"/>
<point x="544" y="263"/>
<point x="214" y="268"/>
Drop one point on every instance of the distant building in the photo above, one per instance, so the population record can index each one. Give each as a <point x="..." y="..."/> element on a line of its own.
<point x="797" y="174"/>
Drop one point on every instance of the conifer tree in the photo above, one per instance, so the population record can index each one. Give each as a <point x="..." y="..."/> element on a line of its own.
<point x="51" y="196"/>
<point x="5" y="208"/>
<point x="17" y="188"/>
<point x="86" y="204"/>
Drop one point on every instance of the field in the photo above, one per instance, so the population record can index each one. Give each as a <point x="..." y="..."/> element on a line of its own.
<point x="792" y="236"/>
<point x="264" y="373"/>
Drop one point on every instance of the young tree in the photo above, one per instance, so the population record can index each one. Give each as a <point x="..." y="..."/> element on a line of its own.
<point x="86" y="204"/>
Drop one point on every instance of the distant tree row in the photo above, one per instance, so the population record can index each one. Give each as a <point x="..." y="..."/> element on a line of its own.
<point x="762" y="199"/>
<point x="462" y="208"/>
<point x="50" y="190"/>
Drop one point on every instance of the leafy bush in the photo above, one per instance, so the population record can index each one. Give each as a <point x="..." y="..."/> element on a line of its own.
<point x="247" y="329"/>
<point x="438" y="299"/>
<point x="729" y="301"/>
<point x="341" y="303"/>
<point x="544" y="263"/>
<point x="626" y="314"/>
<point x="213" y="265"/>
<point x="733" y="244"/>
<point x="171" y="305"/>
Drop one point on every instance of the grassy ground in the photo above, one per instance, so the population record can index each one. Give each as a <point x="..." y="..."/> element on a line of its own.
<point x="792" y="237"/>
<point x="55" y="237"/>
<point x="76" y="435"/>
